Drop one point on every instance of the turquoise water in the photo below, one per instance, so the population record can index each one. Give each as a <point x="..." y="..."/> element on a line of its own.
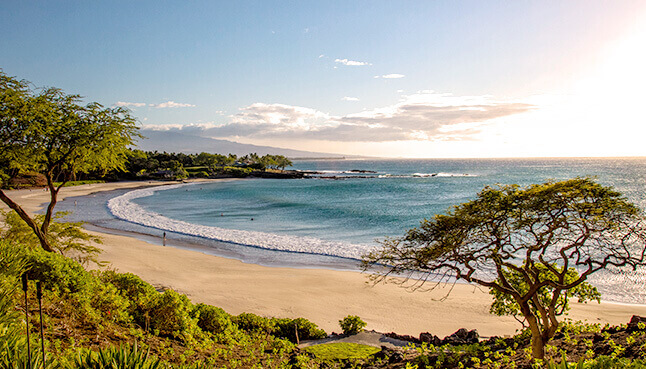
<point x="361" y="210"/>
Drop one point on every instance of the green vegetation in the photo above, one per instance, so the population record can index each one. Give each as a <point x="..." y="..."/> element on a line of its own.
<point x="65" y="238"/>
<point x="92" y="319"/>
<point x="504" y="304"/>
<point x="527" y="241"/>
<point x="352" y="324"/>
<point x="78" y="183"/>
<point x="156" y="165"/>
<point x="342" y="351"/>
<point x="112" y="358"/>
<point x="48" y="132"/>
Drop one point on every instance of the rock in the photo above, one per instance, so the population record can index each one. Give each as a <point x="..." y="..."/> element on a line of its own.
<point x="361" y="171"/>
<point x="402" y="337"/>
<point x="633" y="325"/>
<point x="462" y="337"/>
<point x="285" y="174"/>
<point x="393" y="355"/>
<point x="430" y="338"/>
<point x="636" y="319"/>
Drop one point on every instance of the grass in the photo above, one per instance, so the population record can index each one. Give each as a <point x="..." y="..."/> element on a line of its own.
<point x="342" y="351"/>
<point x="78" y="183"/>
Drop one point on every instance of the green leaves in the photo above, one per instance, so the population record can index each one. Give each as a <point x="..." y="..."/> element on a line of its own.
<point x="352" y="324"/>
<point x="68" y="238"/>
<point x="50" y="132"/>
<point x="504" y="304"/>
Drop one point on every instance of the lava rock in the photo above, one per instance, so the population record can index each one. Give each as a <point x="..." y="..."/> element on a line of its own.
<point x="462" y="337"/>
<point x="427" y="337"/>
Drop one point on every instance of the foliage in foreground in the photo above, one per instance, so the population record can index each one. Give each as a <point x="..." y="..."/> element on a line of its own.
<point x="130" y="357"/>
<point x="94" y="318"/>
<point x="88" y="314"/>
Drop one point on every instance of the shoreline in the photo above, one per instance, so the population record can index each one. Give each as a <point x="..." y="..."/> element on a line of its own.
<point x="323" y="296"/>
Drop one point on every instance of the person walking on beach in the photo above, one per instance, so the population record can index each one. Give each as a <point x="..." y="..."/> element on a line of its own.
<point x="164" y="239"/>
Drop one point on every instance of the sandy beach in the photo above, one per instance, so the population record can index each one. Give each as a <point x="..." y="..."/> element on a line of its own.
<point x="322" y="296"/>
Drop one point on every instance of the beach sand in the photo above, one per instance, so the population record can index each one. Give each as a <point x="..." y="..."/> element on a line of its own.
<point x="322" y="296"/>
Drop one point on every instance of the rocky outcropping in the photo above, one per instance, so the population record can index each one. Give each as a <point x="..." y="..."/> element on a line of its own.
<point x="634" y="325"/>
<point x="460" y="337"/>
<point x="285" y="174"/>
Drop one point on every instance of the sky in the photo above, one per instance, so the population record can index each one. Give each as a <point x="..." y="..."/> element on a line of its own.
<point x="403" y="78"/>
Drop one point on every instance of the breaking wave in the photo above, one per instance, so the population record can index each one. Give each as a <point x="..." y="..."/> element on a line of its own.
<point x="124" y="208"/>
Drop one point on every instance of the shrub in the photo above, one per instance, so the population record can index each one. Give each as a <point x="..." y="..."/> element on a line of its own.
<point x="13" y="341"/>
<point x="214" y="320"/>
<point x="236" y="172"/>
<point x="170" y="316"/>
<point x="130" y="286"/>
<point x="57" y="273"/>
<point x="286" y="328"/>
<point x="352" y="324"/>
<point x="140" y="294"/>
<point x="253" y="323"/>
<point x="113" y="306"/>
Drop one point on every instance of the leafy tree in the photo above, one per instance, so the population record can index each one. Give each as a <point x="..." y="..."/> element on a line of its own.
<point x="213" y="160"/>
<point x="275" y="161"/>
<point x="175" y="167"/>
<point x="352" y="324"/>
<point x="48" y="131"/>
<point x="282" y="162"/>
<point x="534" y="247"/>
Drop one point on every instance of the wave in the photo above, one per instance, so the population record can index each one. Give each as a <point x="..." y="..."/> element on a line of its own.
<point x="426" y="175"/>
<point x="124" y="208"/>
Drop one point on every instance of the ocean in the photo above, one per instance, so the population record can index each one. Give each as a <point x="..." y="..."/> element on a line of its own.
<point x="332" y="219"/>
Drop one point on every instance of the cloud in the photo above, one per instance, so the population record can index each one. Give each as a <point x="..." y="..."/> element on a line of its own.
<point x="129" y="104"/>
<point x="172" y="104"/>
<point x="348" y="98"/>
<point x="391" y="76"/>
<point x="424" y="116"/>
<point x="352" y="63"/>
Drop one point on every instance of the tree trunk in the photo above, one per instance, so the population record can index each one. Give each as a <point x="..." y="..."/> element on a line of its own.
<point x="30" y="222"/>
<point x="538" y="342"/>
<point x="538" y="346"/>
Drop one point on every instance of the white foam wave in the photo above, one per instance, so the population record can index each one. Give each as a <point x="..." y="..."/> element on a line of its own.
<point x="441" y="174"/>
<point x="124" y="208"/>
<point x="426" y="175"/>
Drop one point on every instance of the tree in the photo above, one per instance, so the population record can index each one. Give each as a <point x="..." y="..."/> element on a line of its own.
<point x="48" y="131"/>
<point x="533" y="246"/>
<point x="282" y="162"/>
<point x="352" y="324"/>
